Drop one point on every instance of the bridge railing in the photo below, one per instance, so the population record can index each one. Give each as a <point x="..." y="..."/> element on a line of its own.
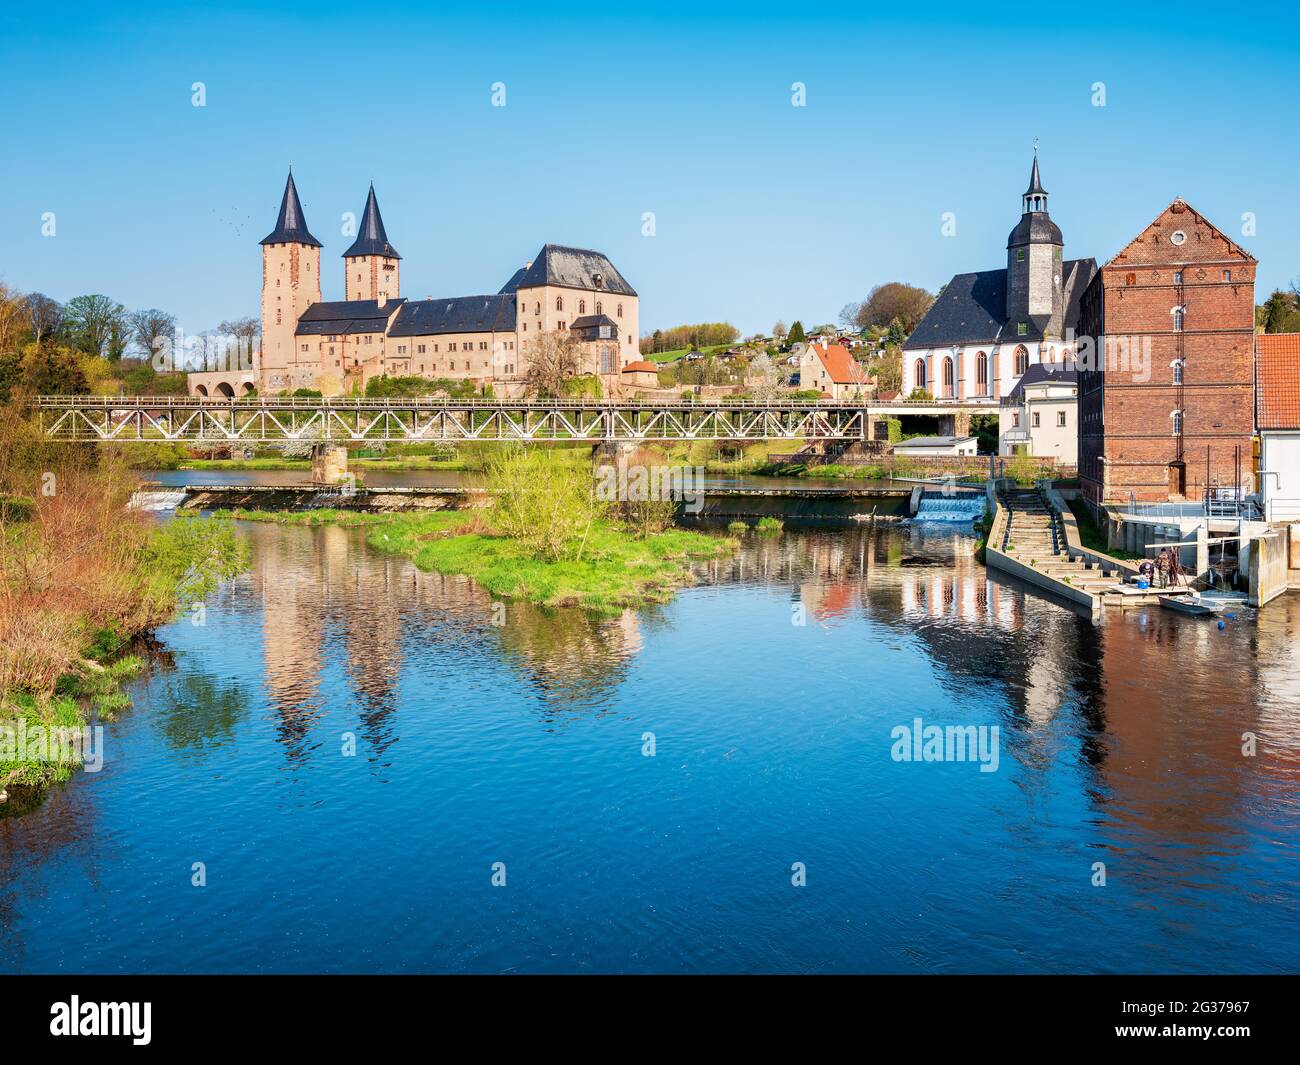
<point x="153" y="403"/>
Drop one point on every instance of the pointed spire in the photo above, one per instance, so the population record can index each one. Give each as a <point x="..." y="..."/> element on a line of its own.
<point x="1035" y="182"/>
<point x="371" y="239"/>
<point x="291" y="228"/>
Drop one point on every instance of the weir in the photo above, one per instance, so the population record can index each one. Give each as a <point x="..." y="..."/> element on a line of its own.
<point x="963" y="507"/>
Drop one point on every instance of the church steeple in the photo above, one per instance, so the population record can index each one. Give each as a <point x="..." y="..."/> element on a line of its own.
<point x="371" y="238"/>
<point x="1035" y="308"/>
<point x="291" y="226"/>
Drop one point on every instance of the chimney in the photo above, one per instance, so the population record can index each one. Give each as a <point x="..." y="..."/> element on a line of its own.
<point x="383" y="298"/>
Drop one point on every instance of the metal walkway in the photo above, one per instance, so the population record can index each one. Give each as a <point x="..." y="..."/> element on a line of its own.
<point x="110" y="419"/>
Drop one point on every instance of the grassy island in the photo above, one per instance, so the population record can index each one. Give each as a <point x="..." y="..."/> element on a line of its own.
<point x="546" y="539"/>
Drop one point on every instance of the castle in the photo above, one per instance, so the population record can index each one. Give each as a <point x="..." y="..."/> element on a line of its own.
<point x="337" y="346"/>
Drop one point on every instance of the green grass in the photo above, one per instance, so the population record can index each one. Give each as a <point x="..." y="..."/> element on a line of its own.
<point x="323" y="516"/>
<point x="610" y="570"/>
<point x="1090" y="536"/>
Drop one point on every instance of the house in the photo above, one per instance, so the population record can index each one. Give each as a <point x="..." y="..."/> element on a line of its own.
<point x="640" y="374"/>
<point x="987" y="328"/>
<point x="833" y="371"/>
<point x="937" y="446"/>
<point x="694" y="356"/>
<point x="1277" y="419"/>
<point x="1040" y="416"/>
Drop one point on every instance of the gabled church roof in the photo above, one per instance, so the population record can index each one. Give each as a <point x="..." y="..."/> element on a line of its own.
<point x="291" y="226"/>
<point x="572" y="268"/>
<point x="371" y="238"/>
<point x="972" y="309"/>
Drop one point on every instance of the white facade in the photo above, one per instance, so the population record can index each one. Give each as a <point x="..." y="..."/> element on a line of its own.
<point x="1043" y="424"/>
<point x="976" y="371"/>
<point x="937" y="447"/>
<point x="1279" y="477"/>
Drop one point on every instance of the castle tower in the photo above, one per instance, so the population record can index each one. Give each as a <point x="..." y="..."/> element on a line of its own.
<point x="290" y="284"/>
<point x="372" y="267"/>
<point x="1035" y="307"/>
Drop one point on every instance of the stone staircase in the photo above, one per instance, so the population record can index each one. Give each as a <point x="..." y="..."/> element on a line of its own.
<point x="1034" y="536"/>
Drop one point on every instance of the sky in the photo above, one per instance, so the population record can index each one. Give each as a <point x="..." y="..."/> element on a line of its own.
<point x="762" y="210"/>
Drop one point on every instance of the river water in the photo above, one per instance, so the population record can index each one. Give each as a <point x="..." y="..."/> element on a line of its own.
<point x="653" y="784"/>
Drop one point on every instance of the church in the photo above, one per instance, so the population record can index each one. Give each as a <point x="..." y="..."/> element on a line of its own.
<point x="986" y="329"/>
<point x="337" y="346"/>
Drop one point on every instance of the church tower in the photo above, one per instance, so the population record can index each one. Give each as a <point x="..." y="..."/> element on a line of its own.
<point x="1035" y="304"/>
<point x="290" y="284"/>
<point x="372" y="267"/>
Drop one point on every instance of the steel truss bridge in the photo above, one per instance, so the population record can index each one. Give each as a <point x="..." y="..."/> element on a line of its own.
<point x="270" y="421"/>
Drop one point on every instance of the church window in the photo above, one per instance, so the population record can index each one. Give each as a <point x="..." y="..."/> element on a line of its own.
<point x="982" y="373"/>
<point x="947" y="377"/>
<point x="1022" y="361"/>
<point x="920" y="373"/>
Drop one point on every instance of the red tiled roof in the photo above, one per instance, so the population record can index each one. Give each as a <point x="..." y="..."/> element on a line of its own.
<point x="1278" y="380"/>
<point x="841" y="366"/>
<point x="640" y="366"/>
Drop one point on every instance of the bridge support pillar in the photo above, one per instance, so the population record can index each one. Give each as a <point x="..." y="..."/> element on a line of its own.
<point x="329" y="464"/>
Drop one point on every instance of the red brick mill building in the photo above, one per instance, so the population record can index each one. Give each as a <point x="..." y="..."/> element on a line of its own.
<point x="1183" y="293"/>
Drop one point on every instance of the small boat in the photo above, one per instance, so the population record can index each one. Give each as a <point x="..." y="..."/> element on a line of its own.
<point x="1191" y="604"/>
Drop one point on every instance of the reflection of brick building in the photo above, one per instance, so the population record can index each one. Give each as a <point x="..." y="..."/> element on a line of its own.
<point x="1183" y="294"/>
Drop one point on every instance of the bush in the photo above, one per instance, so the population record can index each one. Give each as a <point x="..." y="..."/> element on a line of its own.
<point x="546" y="505"/>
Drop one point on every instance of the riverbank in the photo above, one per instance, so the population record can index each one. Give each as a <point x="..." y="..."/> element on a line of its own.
<point x="82" y="579"/>
<point x="609" y="569"/>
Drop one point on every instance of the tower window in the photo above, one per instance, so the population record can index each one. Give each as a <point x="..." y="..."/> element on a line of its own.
<point x="1020" y="255"/>
<point x="1022" y="329"/>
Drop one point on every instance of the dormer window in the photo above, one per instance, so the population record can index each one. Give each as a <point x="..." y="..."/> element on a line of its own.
<point x="1022" y="329"/>
<point x="597" y="280"/>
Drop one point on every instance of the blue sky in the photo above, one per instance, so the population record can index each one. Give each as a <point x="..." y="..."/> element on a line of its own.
<point x="763" y="210"/>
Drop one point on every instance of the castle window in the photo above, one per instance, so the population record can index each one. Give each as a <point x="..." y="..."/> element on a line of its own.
<point x="598" y="311"/>
<point x="451" y="347"/>
<point x="620" y="310"/>
<point x="582" y="306"/>
<point x="559" y="303"/>
<point x="539" y="308"/>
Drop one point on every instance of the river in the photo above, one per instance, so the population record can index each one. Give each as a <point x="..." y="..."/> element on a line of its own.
<point x="652" y="786"/>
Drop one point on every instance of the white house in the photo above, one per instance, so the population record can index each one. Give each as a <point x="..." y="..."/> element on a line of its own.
<point x="936" y="446"/>
<point x="1040" y="416"/>
<point x="1277" y="417"/>
<point x="987" y="328"/>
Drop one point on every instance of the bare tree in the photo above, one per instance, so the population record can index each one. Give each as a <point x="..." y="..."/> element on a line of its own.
<point x="149" y="326"/>
<point x="763" y="377"/>
<point x="849" y="315"/>
<point x="245" y="331"/>
<point x="779" y="331"/>
<point x="44" y="315"/>
<point x="893" y="301"/>
<point x="551" y="359"/>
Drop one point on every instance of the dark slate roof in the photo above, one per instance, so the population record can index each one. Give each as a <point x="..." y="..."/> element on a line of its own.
<point x="513" y="284"/>
<point x="573" y="268"/>
<point x="291" y="226"/>
<point x="1035" y="227"/>
<point x="591" y="321"/>
<point x="1035" y="182"/>
<point x="346" y="316"/>
<point x="458" y="314"/>
<point x="972" y="309"/>
<point x="371" y="239"/>
<point x="1039" y="373"/>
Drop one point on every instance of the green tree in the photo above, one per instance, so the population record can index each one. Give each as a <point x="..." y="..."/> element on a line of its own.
<point x="96" y="325"/>
<point x="796" y="334"/>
